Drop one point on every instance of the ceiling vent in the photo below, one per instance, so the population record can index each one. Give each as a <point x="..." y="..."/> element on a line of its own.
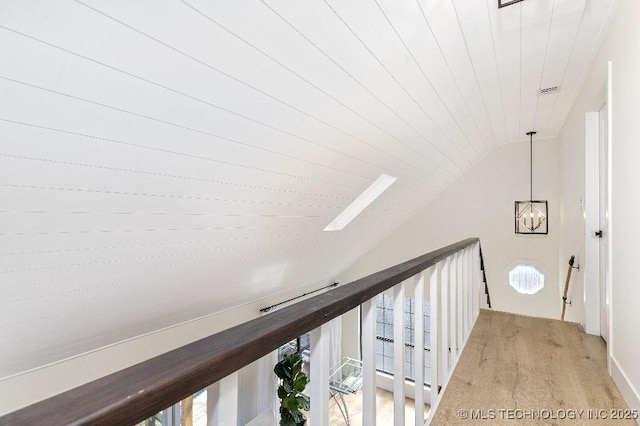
<point x="549" y="90"/>
<point x="505" y="3"/>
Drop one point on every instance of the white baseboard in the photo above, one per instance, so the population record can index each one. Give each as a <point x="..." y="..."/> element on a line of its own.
<point x="628" y="391"/>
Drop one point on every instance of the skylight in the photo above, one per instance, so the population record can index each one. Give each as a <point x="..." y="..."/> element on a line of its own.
<point x="361" y="203"/>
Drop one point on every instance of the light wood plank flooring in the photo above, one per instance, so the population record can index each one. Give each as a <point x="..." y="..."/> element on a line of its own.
<point x="513" y="362"/>
<point x="384" y="408"/>
<point x="384" y="405"/>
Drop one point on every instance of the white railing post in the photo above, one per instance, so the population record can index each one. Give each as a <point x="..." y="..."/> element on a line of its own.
<point x="472" y="286"/>
<point x="398" y="354"/>
<point x="453" y="296"/>
<point x="434" y="327"/>
<point x="460" y="305"/>
<point x="319" y="375"/>
<point x="467" y="292"/>
<point x="212" y="396"/>
<point x="478" y="280"/>
<point x="369" y="362"/>
<point x="222" y="401"/>
<point x="445" y="280"/>
<point x="463" y="294"/>
<point x="418" y="350"/>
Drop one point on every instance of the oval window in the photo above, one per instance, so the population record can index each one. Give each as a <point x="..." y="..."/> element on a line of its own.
<point x="526" y="279"/>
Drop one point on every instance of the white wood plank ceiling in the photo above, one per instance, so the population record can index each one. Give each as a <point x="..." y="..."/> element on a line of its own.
<point x="163" y="160"/>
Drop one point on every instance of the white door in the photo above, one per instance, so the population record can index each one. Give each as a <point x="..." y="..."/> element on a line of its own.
<point x="605" y="273"/>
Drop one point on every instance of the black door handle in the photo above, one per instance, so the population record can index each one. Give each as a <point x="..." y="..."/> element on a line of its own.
<point x="598" y="234"/>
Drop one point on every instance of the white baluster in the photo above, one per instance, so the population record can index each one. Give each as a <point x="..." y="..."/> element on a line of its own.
<point x="212" y="400"/>
<point x="398" y="354"/>
<point x="434" y="298"/>
<point x="445" y="281"/>
<point x="459" y="305"/>
<point x="463" y="296"/>
<point x="467" y="292"/>
<point x="453" y="304"/>
<point x="369" y="362"/>
<point x="479" y="291"/>
<point x="319" y="374"/>
<point x="222" y="402"/>
<point x="472" y="286"/>
<point x="418" y="350"/>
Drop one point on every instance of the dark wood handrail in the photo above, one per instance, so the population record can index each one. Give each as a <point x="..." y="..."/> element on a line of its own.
<point x="131" y="395"/>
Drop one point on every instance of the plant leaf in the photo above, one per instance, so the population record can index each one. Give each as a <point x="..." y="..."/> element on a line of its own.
<point x="286" y="417"/>
<point x="282" y="393"/>
<point x="292" y="404"/>
<point x="298" y="417"/>
<point x="300" y="383"/>
<point x="279" y="370"/>
<point x="297" y="365"/>
<point x="303" y="401"/>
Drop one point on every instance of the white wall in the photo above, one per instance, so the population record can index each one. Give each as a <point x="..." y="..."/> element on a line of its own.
<point x="621" y="47"/>
<point x="481" y="204"/>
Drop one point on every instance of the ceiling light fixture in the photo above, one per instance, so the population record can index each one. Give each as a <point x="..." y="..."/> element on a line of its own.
<point x="362" y="202"/>
<point x="531" y="216"/>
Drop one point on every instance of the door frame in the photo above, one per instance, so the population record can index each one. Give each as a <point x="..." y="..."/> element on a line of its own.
<point x="591" y="262"/>
<point x="591" y="212"/>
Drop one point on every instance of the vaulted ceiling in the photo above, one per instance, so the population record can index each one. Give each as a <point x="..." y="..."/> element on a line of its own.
<point x="162" y="160"/>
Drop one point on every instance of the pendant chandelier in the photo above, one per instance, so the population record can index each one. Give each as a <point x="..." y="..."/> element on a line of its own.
<point x="531" y="215"/>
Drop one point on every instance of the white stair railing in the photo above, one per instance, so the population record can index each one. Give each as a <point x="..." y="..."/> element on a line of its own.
<point x="453" y="288"/>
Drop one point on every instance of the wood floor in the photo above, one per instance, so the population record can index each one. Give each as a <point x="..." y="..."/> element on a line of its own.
<point x="384" y="406"/>
<point x="530" y="371"/>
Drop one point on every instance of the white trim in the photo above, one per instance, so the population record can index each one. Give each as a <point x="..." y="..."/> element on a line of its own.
<point x="609" y="282"/>
<point x="591" y="263"/>
<point x="628" y="391"/>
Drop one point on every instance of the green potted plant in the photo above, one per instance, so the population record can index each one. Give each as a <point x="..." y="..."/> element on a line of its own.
<point x="292" y="383"/>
